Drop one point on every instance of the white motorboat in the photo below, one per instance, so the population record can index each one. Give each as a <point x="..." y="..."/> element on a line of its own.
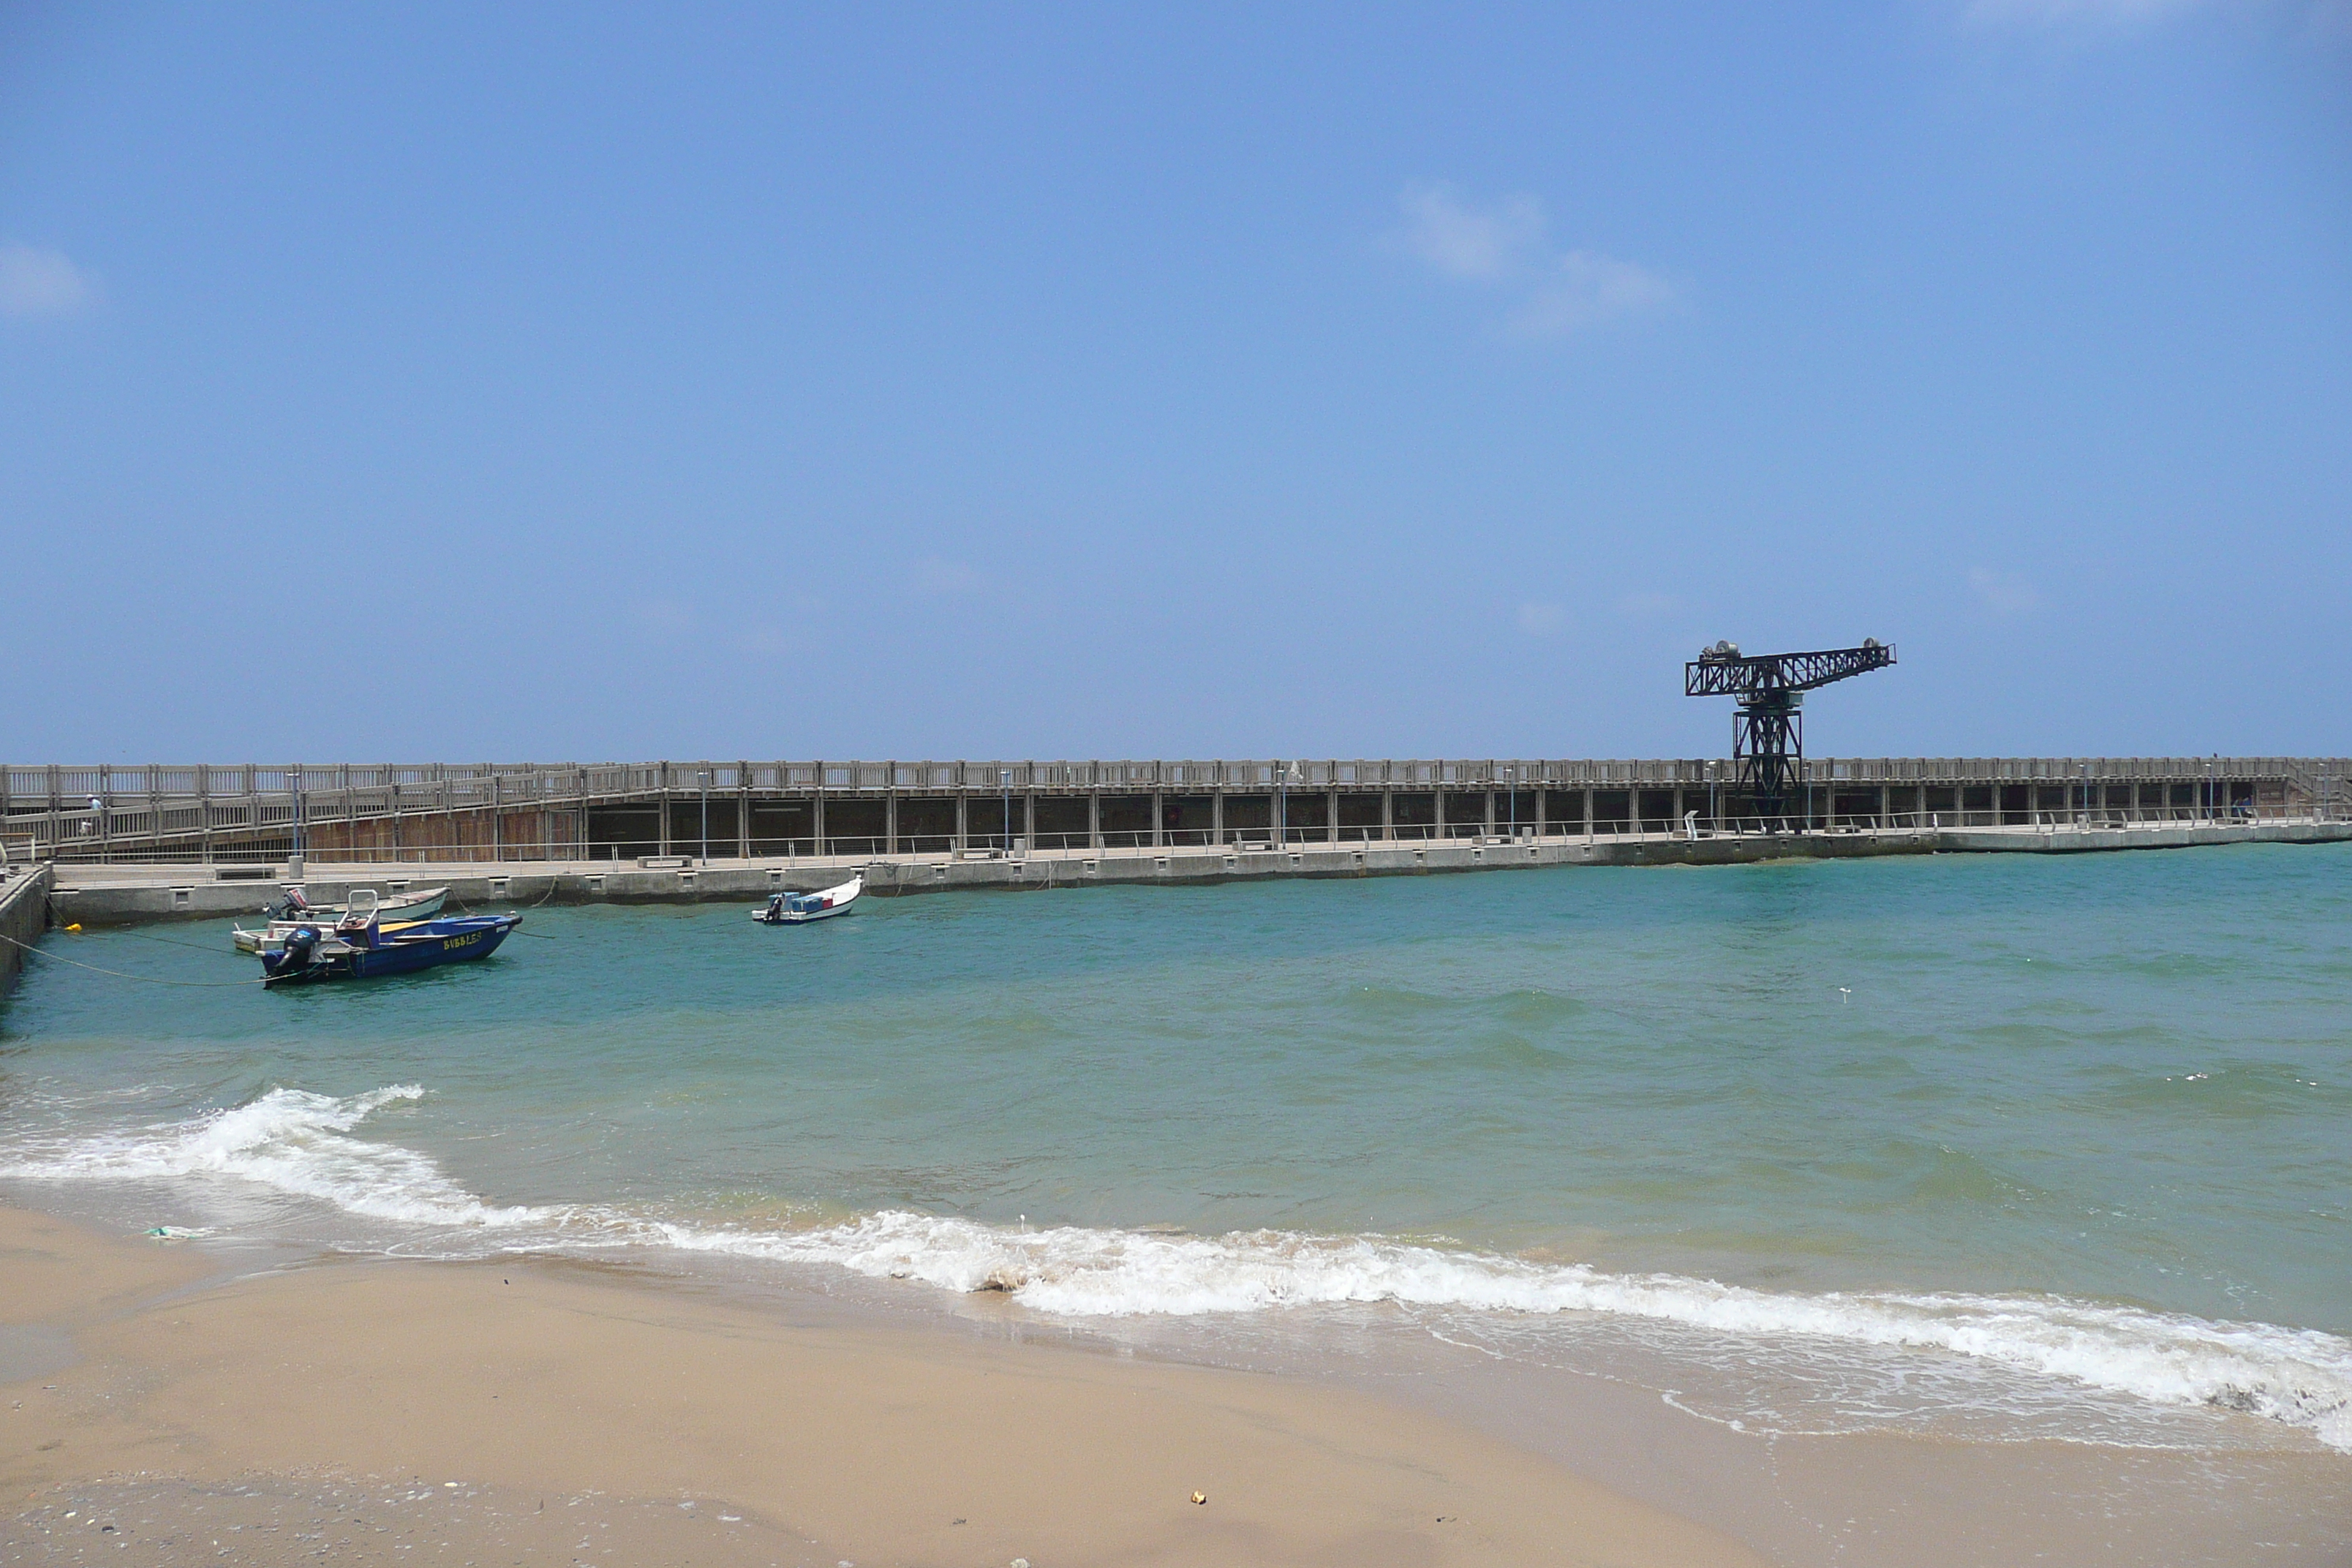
<point x="799" y="908"/>
<point x="421" y="905"/>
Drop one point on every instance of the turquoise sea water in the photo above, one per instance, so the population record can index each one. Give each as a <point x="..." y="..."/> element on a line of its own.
<point x="2043" y="1135"/>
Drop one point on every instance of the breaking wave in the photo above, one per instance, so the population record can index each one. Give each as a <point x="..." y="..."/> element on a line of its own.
<point x="292" y="1142"/>
<point x="298" y="1143"/>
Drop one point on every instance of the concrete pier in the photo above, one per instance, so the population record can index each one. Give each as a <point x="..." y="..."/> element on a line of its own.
<point x="619" y="813"/>
<point x="102" y="894"/>
<point x="24" y="916"/>
<point x="155" y="841"/>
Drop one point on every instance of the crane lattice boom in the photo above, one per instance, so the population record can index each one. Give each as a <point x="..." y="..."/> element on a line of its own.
<point x="1768" y="732"/>
<point x="1729" y="674"/>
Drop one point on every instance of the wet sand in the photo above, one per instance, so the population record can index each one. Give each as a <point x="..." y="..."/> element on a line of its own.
<point x="157" y="1407"/>
<point x="350" y="1410"/>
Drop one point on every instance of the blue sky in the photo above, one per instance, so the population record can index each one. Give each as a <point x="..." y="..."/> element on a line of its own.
<point x="464" y="383"/>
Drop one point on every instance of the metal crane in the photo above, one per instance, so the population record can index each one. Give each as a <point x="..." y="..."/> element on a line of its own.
<point x="1768" y="732"/>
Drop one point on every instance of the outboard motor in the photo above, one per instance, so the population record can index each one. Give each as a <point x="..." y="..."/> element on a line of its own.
<point x="294" y="958"/>
<point x="775" y="908"/>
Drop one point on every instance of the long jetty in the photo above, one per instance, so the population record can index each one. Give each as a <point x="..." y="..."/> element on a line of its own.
<point x="418" y="813"/>
<point x="150" y="841"/>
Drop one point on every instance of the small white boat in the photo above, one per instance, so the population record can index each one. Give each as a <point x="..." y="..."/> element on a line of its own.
<point x="799" y="908"/>
<point x="421" y="905"/>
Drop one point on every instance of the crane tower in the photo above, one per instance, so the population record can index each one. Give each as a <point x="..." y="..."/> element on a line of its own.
<point x="1768" y="731"/>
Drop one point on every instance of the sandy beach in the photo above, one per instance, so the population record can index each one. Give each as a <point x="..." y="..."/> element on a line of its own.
<point x="527" y="1410"/>
<point x="1146" y="788"/>
<point x="1365" y="1223"/>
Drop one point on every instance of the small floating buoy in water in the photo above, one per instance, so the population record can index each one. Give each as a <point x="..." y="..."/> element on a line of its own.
<point x="1200" y="1497"/>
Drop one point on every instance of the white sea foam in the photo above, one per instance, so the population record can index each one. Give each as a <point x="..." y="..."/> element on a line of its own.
<point x="290" y="1140"/>
<point x="2299" y="1376"/>
<point x="298" y="1143"/>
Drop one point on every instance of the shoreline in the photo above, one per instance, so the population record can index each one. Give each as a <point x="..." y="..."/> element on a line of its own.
<point x="827" y="1426"/>
<point x="100" y="893"/>
<point x="347" y="1384"/>
<point x="1501" y="1193"/>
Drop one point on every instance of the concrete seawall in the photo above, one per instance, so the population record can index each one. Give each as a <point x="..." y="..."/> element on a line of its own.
<point x="106" y="895"/>
<point x="24" y="916"/>
<point x="462" y="812"/>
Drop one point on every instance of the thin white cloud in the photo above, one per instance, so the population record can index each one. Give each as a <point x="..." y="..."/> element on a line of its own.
<point x="1506" y="244"/>
<point x="1465" y="241"/>
<point x="764" y="641"/>
<point x="2053" y="14"/>
<point x="665" y="618"/>
<point x="1539" y="620"/>
<point x="1588" y="289"/>
<point x="2004" y="594"/>
<point x="2077" y="24"/>
<point x="1646" y="606"/>
<point x="774" y="638"/>
<point x="2327" y="21"/>
<point x="943" y="579"/>
<point x="37" y="282"/>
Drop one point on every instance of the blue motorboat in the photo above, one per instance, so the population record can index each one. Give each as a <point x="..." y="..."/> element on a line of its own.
<point x="360" y="949"/>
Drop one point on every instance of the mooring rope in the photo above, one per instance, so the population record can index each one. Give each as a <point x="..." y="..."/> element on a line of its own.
<point x="119" y="974"/>
<point x="553" y="882"/>
<point x="172" y="942"/>
<point x="195" y="947"/>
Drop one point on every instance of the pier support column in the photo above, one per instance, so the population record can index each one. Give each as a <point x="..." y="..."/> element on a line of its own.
<point x="964" y="825"/>
<point x="890" y="820"/>
<point x="1331" y="817"/>
<point x="1094" y="819"/>
<point x="1588" y="812"/>
<point x="664" y="834"/>
<point x="1029" y="822"/>
<point x="1490" y="814"/>
<point x="1387" y="814"/>
<point x="1540" y="794"/>
<point x="816" y="819"/>
<point x="1158" y="820"/>
<point x="1217" y="815"/>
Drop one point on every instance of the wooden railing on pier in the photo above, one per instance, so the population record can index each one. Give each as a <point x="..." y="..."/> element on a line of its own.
<point x="48" y="808"/>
